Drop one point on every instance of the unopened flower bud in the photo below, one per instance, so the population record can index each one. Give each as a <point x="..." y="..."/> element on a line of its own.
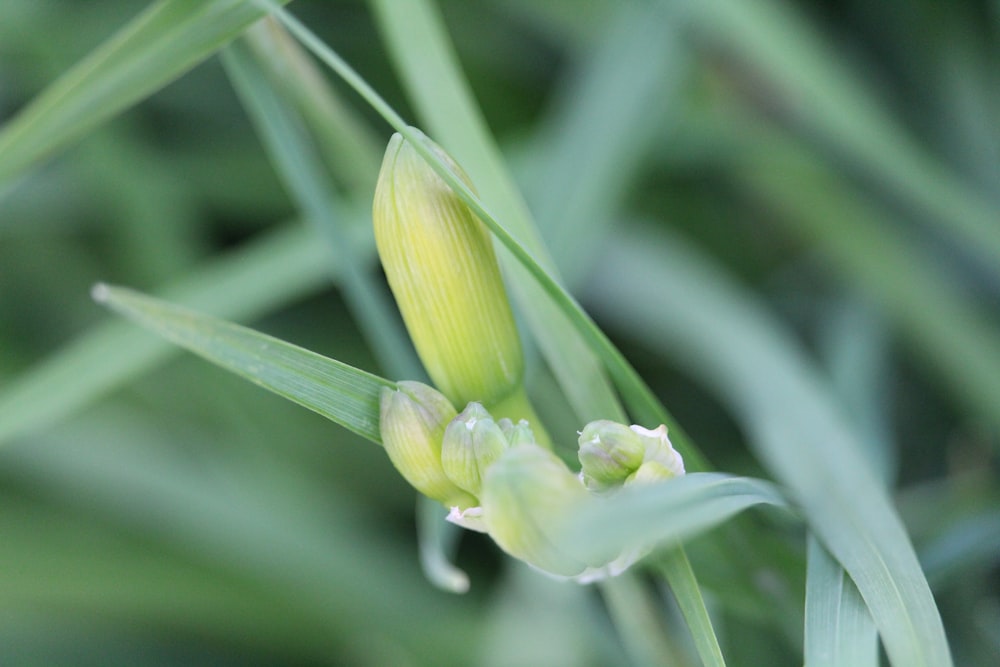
<point x="439" y="261"/>
<point x="519" y="433"/>
<point x="613" y="455"/>
<point x="412" y="423"/>
<point x="472" y="442"/>
<point x="609" y="453"/>
<point x="527" y="495"/>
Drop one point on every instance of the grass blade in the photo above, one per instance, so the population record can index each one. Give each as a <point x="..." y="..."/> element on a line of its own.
<point x="675" y="567"/>
<point x="351" y="148"/>
<point x="667" y="513"/>
<point x="247" y="283"/>
<point x="956" y="338"/>
<point x="839" y="628"/>
<point x="624" y="94"/>
<point x="720" y="335"/>
<point x="159" y="45"/>
<point x="341" y="393"/>
<point x="302" y="173"/>
<point x="775" y="38"/>
<point x="637" y="620"/>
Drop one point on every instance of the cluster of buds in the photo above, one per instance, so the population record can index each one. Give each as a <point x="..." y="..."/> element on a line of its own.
<point x="496" y="479"/>
<point x="496" y="476"/>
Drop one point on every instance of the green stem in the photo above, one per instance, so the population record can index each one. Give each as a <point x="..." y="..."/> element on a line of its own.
<point x="636" y="619"/>
<point x="675" y="566"/>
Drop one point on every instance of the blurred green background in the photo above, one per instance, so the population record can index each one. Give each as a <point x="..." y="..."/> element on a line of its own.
<point x="840" y="161"/>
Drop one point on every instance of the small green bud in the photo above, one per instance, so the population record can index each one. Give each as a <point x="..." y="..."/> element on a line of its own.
<point x="440" y="263"/>
<point x="609" y="453"/>
<point x="412" y="423"/>
<point x="472" y="442"/>
<point x="613" y="455"/>
<point x="527" y="495"/>
<point x="518" y="434"/>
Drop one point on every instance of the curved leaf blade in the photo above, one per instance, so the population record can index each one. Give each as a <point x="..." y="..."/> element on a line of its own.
<point x="159" y="45"/>
<point x="341" y="393"/>
<point x="839" y="631"/>
<point x="244" y="284"/>
<point x="667" y="512"/>
<point x="731" y="343"/>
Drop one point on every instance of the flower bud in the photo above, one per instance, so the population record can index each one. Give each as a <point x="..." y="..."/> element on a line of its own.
<point x="609" y="453"/>
<point x="472" y="442"/>
<point x="613" y="455"/>
<point x="412" y="423"/>
<point x="439" y="261"/>
<point x="518" y="434"/>
<point x="527" y="495"/>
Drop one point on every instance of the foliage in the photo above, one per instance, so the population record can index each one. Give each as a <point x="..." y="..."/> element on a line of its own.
<point x="783" y="214"/>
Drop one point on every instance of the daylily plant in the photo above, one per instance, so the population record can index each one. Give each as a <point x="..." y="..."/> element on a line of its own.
<point x="496" y="476"/>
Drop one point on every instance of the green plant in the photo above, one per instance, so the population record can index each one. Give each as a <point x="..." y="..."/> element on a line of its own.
<point x="730" y="200"/>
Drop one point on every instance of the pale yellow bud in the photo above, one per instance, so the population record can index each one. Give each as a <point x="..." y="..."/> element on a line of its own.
<point x="439" y="261"/>
<point x="472" y="442"/>
<point x="412" y="423"/>
<point x="527" y="496"/>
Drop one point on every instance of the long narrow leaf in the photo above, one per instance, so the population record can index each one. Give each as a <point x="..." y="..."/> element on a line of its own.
<point x="677" y="301"/>
<point x="351" y="147"/>
<point x="156" y="47"/>
<point x="774" y="38"/>
<point x="247" y="283"/>
<point x="333" y="389"/>
<point x="302" y="172"/>
<point x="839" y="629"/>
<point x="622" y="95"/>
<point x="676" y="568"/>
<point x="957" y="339"/>
<point x="668" y="512"/>
<point x="636" y="618"/>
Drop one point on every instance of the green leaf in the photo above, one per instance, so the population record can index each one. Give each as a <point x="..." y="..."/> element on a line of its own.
<point x="623" y="92"/>
<point x="291" y="150"/>
<point x="955" y="337"/>
<point x="839" y="628"/>
<point x="159" y="45"/>
<point x="676" y="568"/>
<point x="246" y="283"/>
<point x="635" y="615"/>
<point x="275" y="529"/>
<point x="351" y="147"/>
<point x="341" y="393"/>
<point x="832" y="101"/>
<point x="675" y="300"/>
<point x="667" y="512"/>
